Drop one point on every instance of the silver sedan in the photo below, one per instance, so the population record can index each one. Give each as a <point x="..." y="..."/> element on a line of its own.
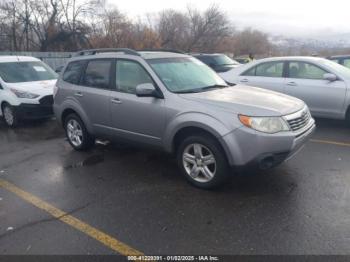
<point x="322" y="84"/>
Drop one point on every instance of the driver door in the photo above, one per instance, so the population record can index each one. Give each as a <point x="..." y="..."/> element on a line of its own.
<point x="135" y="118"/>
<point x="306" y="82"/>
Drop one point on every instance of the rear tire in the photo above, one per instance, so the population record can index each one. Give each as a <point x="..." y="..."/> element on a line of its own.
<point x="202" y="161"/>
<point x="77" y="134"/>
<point x="10" y="115"/>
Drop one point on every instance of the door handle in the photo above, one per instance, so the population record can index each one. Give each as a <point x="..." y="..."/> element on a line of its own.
<point x="79" y="94"/>
<point x="116" y="101"/>
<point x="244" y="81"/>
<point x="292" y="84"/>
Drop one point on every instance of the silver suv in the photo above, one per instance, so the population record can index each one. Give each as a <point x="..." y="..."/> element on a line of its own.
<point x="176" y="103"/>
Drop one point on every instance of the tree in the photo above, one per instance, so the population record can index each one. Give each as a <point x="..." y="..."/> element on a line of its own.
<point x="251" y="41"/>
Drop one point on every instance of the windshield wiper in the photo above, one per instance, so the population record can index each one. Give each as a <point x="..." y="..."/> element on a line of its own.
<point x="213" y="86"/>
<point x="198" y="90"/>
<point x="188" y="91"/>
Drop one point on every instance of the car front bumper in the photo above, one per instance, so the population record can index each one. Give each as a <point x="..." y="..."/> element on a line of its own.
<point x="33" y="111"/>
<point x="249" y="148"/>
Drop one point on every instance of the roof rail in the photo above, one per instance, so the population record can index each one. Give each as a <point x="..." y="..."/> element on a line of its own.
<point x="126" y="51"/>
<point x="162" y="50"/>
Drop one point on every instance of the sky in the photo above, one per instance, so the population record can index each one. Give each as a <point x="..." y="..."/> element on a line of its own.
<point x="295" y="18"/>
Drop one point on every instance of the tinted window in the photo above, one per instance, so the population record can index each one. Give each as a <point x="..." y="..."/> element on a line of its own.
<point x="305" y="71"/>
<point x="347" y="62"/>
<point x="73" y="72"/>
<point x="16" y="72"/>
<point x="335" y="60"/>
<point x="224" y="60"/>
<point x="129" y="75"/>
<point x="206" y="59"/>
<point x="271" y="69"/>
<point x="97" y="74"/>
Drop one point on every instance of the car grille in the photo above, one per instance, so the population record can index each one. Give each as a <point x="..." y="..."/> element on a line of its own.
<point x="46" y="101"/>
<point x="301" y="121"/>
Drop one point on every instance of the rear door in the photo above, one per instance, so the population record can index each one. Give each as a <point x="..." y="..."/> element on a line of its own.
<point x="94" y="93"/>
<point x="268" y="75"/>
<point x="305" y="81"/>
<point x="135" y="118"/>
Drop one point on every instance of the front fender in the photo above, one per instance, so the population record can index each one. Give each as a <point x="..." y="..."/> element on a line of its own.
<point x="193" y="119"/>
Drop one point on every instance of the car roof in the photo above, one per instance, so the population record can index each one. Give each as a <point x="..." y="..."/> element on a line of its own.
<point x="6" y="59"/>
<point x="299" y="58"/>
<point x="201" y="54"/>
<point x="143" y="54"/>
<point x="339" y="56"/>
<point x="160" y="54"/>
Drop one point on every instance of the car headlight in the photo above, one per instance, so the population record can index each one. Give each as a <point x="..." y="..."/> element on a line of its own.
<point x="22" y="94"/>
<point x="265" y="124"/>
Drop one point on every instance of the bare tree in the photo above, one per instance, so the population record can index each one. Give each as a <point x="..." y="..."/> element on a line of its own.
<point x="173" y="29"/>
<point x="251" y="41"/>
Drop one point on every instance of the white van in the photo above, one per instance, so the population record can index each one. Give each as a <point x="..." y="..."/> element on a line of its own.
<point x="26" y="89"/>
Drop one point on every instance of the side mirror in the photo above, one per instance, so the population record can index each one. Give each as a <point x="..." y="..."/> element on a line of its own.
<point x="330" y="77"/>
<point x="147" y="90"/>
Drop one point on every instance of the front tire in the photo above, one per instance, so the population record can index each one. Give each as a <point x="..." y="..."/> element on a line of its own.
<point x="10" y="115"/>
<point x="77" y="134"/>
<point x="203" y="161"/>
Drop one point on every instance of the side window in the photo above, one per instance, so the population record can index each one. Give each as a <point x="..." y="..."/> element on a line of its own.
<point x="305" y="71"/>
<point x="250" y="72"/>
<point x="347" y="62"/>
<point x="270" y="69"/>
<point x="336" y="60"/>
<point x="129" y="75"/>
<point x="73" y="71"/>
<point x="207" y="60"/>
<point x="97" y="74"/>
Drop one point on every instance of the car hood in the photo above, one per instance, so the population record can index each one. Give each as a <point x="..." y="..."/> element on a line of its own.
<point x="248" y="100"/>
<point x="44" y="87"/>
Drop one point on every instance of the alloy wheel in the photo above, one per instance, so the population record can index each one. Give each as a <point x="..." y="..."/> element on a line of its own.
<point x="74" y="132"/>
<point x="199" y="162"/>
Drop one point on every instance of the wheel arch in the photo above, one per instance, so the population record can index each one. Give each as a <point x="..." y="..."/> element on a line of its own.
<point x="71" y="108"/>
<point x="194" y="123"/>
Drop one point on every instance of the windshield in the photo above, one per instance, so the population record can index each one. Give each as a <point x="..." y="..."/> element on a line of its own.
<point x="342" y="70"/>
<point x="185" y="74"/>
<point x="224" y="60"/>
<point x="17" y="72"/>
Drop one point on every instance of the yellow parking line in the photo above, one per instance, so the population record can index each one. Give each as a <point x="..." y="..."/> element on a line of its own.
<point x="96" y="234"/>
<point x="330" y="142"/>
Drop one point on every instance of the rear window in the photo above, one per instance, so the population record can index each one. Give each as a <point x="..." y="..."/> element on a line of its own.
<point x="18" y="72"/>
<point x="73" y="72"/>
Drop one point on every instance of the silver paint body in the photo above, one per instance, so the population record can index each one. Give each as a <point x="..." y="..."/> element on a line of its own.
<point x="326" y="99"/>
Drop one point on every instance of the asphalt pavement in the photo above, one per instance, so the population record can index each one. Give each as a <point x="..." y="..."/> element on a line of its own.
<point x="117" y="195"/>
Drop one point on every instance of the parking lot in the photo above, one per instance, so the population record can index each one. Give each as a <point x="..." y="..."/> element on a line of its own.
<point x="118" y="199"/>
